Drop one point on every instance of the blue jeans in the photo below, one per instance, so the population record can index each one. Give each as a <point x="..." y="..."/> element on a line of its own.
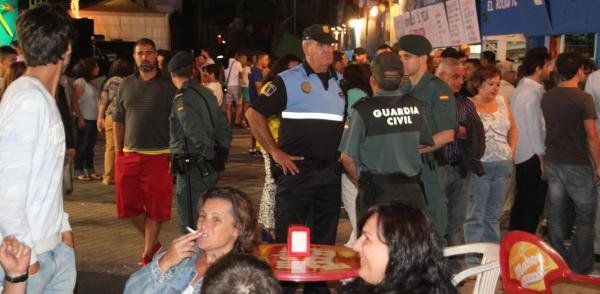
<point x="485" y="205"/>
<point x="57" y="272"/>
<point x="597" y="224"/>
<point x="572" y="187"/>
<point x="458" y="191"/>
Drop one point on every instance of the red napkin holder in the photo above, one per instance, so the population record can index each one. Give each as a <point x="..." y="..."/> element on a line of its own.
<point x="298" y="242"/>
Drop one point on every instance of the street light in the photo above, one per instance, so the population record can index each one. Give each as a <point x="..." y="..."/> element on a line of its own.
<point x="356" y="24"/>
<point x="374" y="11"/>
<point x="75" y="8"/>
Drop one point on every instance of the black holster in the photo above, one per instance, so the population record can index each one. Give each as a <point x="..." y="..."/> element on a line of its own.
<point x="428" y="160"/>
<point x="181" y="163"/>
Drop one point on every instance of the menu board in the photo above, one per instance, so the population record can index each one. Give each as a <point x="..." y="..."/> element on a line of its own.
<point x="451" y="24"/>
<point x="455" y="23"/>
<point x="469" y="18"/>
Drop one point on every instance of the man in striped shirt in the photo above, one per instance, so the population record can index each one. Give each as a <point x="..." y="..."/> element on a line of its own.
<point x="457" y="179"/>
<point x="143" y="183"/>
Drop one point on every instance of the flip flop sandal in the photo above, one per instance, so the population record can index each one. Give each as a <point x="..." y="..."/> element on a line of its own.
<point x="84" y="178"/>
<point x="95" y="176"/>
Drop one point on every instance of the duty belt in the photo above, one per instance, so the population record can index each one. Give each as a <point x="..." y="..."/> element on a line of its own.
<point x="181" y="163"/>
<point x="387" y="178"/>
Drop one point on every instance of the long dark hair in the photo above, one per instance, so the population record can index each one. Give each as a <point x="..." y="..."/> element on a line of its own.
<point x="416" y="263"/>
<point x="85" y="68"/>
<point x="357" y="76"/>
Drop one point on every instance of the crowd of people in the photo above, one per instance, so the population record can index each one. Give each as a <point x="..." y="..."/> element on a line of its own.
<point x="423" y="150"/>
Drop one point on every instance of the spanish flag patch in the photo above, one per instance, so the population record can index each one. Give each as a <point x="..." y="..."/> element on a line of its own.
<point x="444" y="97"/>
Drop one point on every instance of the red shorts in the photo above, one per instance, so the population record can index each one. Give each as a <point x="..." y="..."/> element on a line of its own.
<point x="143" y="185"/>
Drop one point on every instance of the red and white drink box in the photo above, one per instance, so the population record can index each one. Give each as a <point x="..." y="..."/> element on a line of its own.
<point x="298" y="242"/>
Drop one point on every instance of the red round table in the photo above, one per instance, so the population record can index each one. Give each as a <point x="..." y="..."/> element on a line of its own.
<point x="325" y="263"/>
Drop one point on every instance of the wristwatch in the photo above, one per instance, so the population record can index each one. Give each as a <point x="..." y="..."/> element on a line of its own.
<point x="17" y="279"/>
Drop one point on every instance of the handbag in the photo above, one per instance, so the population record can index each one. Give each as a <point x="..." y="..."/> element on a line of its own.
<point x="227" y="79"/>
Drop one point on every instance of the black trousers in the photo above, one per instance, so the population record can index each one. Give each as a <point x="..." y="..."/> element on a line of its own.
<point x="312" y="198"/>
<point x="530" y="196"/>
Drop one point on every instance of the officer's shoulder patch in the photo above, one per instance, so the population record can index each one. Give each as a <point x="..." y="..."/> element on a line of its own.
<point x="269" y="90"/>
<point x="360" y="101"/>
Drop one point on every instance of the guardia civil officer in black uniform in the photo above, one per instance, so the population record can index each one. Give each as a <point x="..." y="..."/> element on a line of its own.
<point x="196" y="125"/>
<point x="380" y="148"/>
<point x="311" y="105"/>
<point x="440" y="107"/>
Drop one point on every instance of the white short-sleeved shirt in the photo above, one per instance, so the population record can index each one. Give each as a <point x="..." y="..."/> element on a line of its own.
<point x="217" y="90"/>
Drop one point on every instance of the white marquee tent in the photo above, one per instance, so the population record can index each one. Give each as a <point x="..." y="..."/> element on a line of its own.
<point x="128" y="21"/>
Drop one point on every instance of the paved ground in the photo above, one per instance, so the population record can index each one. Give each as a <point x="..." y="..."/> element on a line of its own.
<point x="108" y="248"/>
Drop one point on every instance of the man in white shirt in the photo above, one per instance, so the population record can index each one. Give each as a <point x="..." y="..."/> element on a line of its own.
<point x="529" y="156"/>
<point x="32" y="150"/>
<point x="233" y="76"/>
<point x="592" y="86"/>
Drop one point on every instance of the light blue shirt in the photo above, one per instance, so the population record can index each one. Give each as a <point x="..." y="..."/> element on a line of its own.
<point x="527" y="112"/>
<point x="150" y="279"/>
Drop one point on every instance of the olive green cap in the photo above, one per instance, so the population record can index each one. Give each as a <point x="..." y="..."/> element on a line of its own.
<point x="414" y="44"/>
<point x="387" y="70"/>
<point x="180" y="60"/>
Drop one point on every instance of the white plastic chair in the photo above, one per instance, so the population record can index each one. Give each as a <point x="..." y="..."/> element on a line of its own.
<point x="487" y="273"/>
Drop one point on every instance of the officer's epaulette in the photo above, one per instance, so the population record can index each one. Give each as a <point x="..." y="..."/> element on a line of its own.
<point x="360" y="101"/>
<point x="183" y="90"/>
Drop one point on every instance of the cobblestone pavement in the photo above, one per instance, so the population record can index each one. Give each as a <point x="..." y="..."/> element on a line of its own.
<point x="109" y="248"/>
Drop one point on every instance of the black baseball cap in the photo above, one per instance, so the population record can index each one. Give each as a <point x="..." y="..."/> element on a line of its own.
<point x="320" y="33"/>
